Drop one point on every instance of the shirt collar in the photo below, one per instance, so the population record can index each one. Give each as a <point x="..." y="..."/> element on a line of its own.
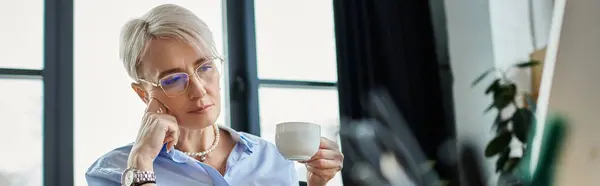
<point x="247" y="143"/>
<point x="244" y="142"/>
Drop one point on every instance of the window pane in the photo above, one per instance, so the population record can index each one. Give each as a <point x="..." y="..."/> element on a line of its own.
<point x="319" y="106"/>
<point x="295" y="40"/>
<point x="22" y="34"/>
<point x="21" y="106"/>
<point x="105" y="104"/>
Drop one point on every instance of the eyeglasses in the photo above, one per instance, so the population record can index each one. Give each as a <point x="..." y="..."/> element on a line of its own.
<point x="176" y="84"/>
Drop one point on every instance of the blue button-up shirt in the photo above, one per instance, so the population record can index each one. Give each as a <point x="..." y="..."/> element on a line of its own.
<point x="253" y="161"/>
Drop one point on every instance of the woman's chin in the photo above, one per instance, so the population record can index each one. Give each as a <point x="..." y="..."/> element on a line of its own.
<point x="194" y="122"/>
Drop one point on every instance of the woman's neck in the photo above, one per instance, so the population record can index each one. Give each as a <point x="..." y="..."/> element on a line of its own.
<point x="196" y="140"/>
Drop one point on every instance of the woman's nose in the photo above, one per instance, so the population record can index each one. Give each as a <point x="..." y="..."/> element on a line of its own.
<point x="196" y="88"/>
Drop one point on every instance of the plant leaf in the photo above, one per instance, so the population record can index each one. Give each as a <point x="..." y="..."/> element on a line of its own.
<point x="502" y="160"/>
<point x="510" y="164"/>
<point x="498" y="144"/>
<point x="504" y="95"/>
<point x="521" y="120"/>
<point x="478" y="79"/>
<point x="526" y="64"/>
<point x="493" y="87"/>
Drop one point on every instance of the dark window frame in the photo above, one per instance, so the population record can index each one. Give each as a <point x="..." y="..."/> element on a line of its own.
<point x="58" y="93"/>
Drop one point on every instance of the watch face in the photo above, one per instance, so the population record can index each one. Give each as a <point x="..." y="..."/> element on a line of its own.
<point x="127" y="177"/>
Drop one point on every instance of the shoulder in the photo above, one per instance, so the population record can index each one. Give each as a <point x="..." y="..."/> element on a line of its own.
<point x="110" y="165"/>
<point x="251" y="138"/>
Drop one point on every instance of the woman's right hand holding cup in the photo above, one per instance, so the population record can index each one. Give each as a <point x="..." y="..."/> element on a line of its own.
<point x="157" y="128"/>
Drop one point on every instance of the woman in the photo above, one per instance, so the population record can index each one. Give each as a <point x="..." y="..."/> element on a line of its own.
<point x="171" y="54"/>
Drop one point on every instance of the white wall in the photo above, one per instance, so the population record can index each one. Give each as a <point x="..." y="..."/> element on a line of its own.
<point x="471" y="52"/>
<point x="512" y="33"/>
<point x="483" y="34"/>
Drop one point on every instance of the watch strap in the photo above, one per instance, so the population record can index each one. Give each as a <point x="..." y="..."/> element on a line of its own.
<point x="143" y="183"/>
<point x="143" y="176"/>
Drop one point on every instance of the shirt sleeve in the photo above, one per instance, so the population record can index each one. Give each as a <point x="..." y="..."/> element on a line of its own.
<point x="94" y="180"/>
<point x="106" y="171"/>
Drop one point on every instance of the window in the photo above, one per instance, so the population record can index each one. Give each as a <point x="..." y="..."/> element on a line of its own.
<point x="104" y="102"/>
<point x="22" y="31"/>
<point x="295" y="40"/>
<point x="21" y="100"/>
<point x="297" y="67"/>
<point x="21" y="139"/>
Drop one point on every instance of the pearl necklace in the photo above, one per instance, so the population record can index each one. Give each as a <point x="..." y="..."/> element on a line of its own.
<point x="203" y="154"/>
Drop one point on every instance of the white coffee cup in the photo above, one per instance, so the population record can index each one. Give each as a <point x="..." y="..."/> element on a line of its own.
<point x="298" y="141"/>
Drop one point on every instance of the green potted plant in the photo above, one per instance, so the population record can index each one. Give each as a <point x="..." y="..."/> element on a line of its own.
<point x="504" y="95"/>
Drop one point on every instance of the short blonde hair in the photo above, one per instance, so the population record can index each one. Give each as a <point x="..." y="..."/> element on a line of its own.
<point x="164" y="21"/>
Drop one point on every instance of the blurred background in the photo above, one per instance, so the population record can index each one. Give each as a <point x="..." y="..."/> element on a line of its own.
<point x="65" y="97"/>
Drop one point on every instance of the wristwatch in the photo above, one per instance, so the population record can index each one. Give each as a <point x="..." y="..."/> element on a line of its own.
<point x="134" y="177"/>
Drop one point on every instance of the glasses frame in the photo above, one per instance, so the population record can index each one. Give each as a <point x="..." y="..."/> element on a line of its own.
<point x="187" y="85"/>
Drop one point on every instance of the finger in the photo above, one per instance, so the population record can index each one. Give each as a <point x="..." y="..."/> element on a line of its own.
<point x="324" y="164"/>
<point x="325" y="174"/>
<point x="168" y="139"/>
<point x="172" y="131"/>
<point x="328" y="144"/>
<point x="167" y="117"/>
<point x="176" y="136"/>
<point x="154" y="105"/>
<point x="327" y="154"/>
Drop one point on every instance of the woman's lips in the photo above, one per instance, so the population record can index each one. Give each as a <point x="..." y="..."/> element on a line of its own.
<point x="201" y="110"/>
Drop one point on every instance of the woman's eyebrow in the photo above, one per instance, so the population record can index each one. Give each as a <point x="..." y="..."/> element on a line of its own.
<point x="167" y="72"/>
<point x="199" y="61"/>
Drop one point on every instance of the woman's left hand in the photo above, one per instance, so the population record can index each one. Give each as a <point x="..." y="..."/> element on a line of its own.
<point x="327" y="162"/>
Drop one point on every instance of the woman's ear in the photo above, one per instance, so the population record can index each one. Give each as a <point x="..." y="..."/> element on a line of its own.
<point x="139" y="90"/>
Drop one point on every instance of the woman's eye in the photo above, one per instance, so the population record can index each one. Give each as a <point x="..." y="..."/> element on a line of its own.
<point x="172" y="80"/>
<point x="205" y="67"/>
